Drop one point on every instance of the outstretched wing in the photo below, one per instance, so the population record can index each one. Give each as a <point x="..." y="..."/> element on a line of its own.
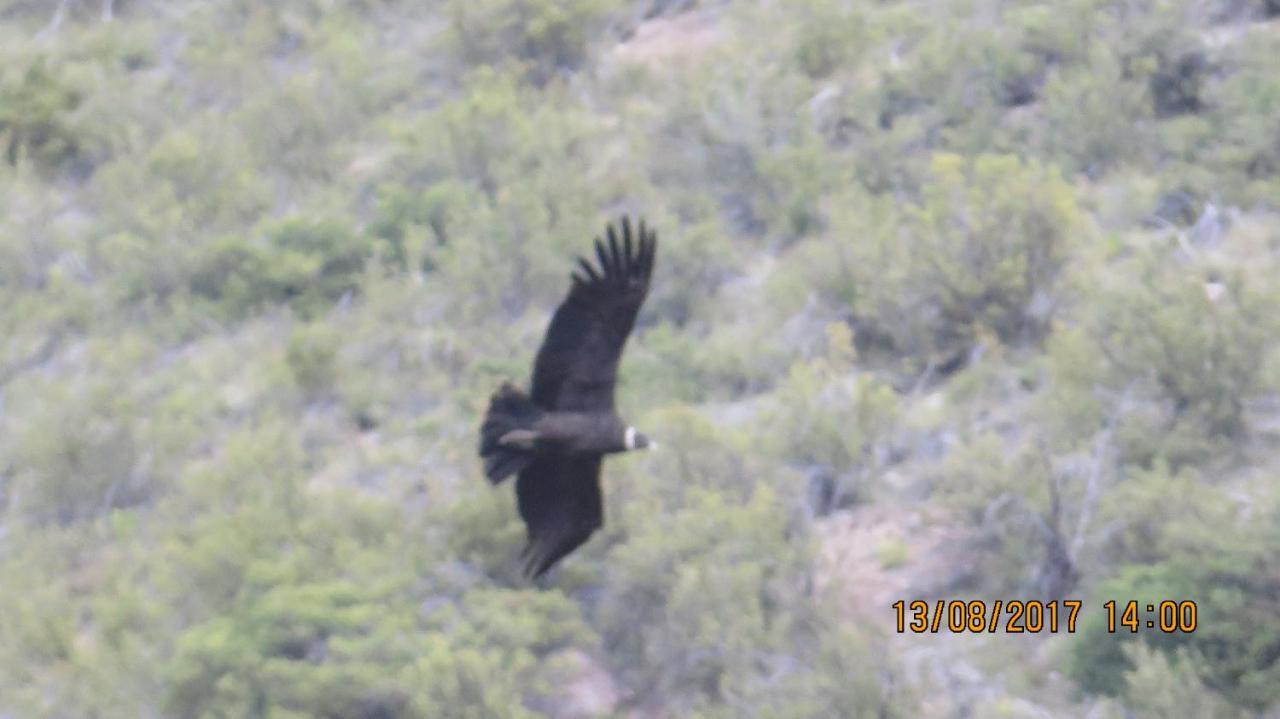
<point x="577" y="366"/>
<point x="559" y="499"/>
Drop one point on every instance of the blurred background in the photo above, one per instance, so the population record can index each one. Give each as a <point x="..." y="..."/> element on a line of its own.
<point x="955" y="299"/>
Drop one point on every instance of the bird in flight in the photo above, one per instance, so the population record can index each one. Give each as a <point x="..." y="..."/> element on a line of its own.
<point x="555" y="437"/>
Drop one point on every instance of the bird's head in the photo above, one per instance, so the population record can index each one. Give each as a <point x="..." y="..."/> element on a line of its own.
<point x="634" y="440"/>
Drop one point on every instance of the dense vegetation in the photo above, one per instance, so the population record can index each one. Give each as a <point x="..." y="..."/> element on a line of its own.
<point x="1001" y="274"/>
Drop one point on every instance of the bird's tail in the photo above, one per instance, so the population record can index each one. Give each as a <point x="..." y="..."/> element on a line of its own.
<point x="507" y="435"/>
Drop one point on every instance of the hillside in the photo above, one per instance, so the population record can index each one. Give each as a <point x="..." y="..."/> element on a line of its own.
<point x="956" y="299"/>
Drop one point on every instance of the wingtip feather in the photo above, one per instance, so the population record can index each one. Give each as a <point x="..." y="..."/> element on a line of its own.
<point x="588" y="269"/>
<point x="617" y="267"/>
<point x="647" y="260"/>
<point x="628" y="254"/>
<point x="624" y="254"/>
<point x="603" y="257"/>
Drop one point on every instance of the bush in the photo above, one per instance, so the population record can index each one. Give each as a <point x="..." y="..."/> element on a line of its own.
<point x="1154" y="515"/>
<point x="297" y="128"/>
<point x="316" y="261"/>
<point x="1247" y="107"/>
<point x="707" y="583"/>
<point x="194" y="181"/>
<point x="832" y="423"/>
<point x="342" y="650"/>
<point x="303" y="648"/>
<point x="414" y="223"/>
<point x="305" y="263"/>
<point x="79" y="455"/>
<point x="1235" y="648"/>
<point x="793" y="180"/>
<point x="311" y="355"/>
<point x="980" y="253"/>
<point x="36" y="106"/>
<point x="1163" y="685"/>
<point x="1170" y="58"/>
<point x="546" y="36"/>
<point x="1197" y="357"/>
<point x="828" y="35"/>
<point x="698" y="455"/>
<point x="1094" y="114"/>
<point x="1026" y="512"/>
<point x="198" y="180"/>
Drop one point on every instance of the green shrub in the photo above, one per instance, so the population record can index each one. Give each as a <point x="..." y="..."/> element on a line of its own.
<point x="195" y="180"/>
<point x="1154" y="514"/>
<point x="297" y="128"/>
<point x="828" y="677"/>
<point x="1247" y="108"/>
<point x="239" y="664"/>
<point x="316" y="261"/>
<point x="1025" y="512"/>
<point x="980" y="254"/>
<point x="992" y="234"/>
<point x="947" y="89"/>
<point x="345" y="649"/>
<point x="1162" y="685"/>
<point x="1167" y="340"/>
<point x="832" y="422"/>
<point x="36" y="110"/>
<point x="311" y="356"/>
<point x="793" y="181"/>
<point x="1166" y="53"/>
<point x="79" y="454"/>
<point x="547" y="36"/>
<point x="698" y="454"/>
<point x="1100" y="659"/>
<point x="305" y="263"/>
<point x="827" y="35"/>
<point x="412" y="223"/>
<point x="1236" y="645"/>
<point x="1094" y="114"/>
<point x="707" y="583"/>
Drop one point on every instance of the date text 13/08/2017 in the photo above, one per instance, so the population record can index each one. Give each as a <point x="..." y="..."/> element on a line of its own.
<point x="1032" y="616"/>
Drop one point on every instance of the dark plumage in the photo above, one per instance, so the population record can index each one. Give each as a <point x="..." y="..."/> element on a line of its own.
<point x="555" y="437"/>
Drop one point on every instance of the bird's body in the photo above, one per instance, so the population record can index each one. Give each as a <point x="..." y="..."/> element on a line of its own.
<point x="573" y="433"/>
<point x="555" y="437"/>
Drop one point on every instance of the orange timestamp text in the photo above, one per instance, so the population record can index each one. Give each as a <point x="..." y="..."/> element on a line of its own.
<point x="1166" y="616"/>
<point x="977" y="616"/>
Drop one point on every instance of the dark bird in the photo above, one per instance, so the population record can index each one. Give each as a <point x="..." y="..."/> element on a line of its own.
<point x="556" y="437"/>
